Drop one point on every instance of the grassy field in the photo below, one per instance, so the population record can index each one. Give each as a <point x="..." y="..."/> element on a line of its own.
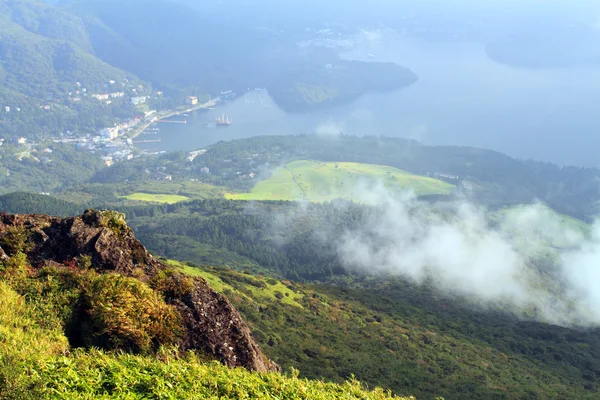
<point x="256" y="288"/>
<point x="156" y="198"/>
<point x="537" y="230"/>
<point x="324" y="181"/>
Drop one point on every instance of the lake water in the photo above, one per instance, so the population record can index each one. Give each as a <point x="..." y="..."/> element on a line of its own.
<point x="462" y="98"/>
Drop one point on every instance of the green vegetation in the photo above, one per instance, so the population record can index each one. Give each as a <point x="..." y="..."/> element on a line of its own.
<point x="26" y="203"/>
<point x="127" y="314"/>
<point x="45" y="51"/>
<point x="539" y="230"/>
<point x="26" y="343"/>
<point x="328" y="80"/>
<point x="23" y="169"/>
<point x="409" y="338"/>
<point x="156" y="198"/>
<point x="320" y="181"/>
<point x="43" y="307"/>
<point x="482" y="176"/>
<point x="98" y="375"/>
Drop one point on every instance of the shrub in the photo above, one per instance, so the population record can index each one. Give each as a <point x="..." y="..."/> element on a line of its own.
<point x="15" y="269"/>
<point x="124" y="313"/>
<point x="115" y="221"/>
<point x="16" y="239"/>
<point x="172" y="284"/>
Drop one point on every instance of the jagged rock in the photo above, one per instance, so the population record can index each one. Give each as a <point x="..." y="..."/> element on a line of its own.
<point x="212" y="324"/>
<point x="3" y="255"/>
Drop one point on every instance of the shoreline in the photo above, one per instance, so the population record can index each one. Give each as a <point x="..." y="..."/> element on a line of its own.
<point x="139" y="130"/>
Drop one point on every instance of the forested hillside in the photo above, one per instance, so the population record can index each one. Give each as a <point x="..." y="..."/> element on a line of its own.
<point x="331" y="321"/>
<point x="483" y="176"/>
<point x="48" y="72"/>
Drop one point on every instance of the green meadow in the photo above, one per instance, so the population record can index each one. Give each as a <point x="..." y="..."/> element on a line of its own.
<point x="324" y="181"/>
<point x="156" y="198"/>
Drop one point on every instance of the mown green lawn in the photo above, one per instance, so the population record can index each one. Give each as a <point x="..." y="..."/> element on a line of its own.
<point x="324" y="181"/>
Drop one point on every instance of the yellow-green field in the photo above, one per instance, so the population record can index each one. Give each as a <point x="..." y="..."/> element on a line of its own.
<point x="324" y="181"/>
<point x="156" y="198"/>
<point x="267" y="292"/>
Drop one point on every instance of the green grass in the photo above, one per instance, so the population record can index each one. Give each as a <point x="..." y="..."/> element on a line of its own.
<point x="254" y="287"/>
<point x="194" y="190"/>
<point x="36" y="363"/>
<point x="402" y="337"/>
<point x="156" y="198"/>
<point x="99" y="375"/>
<point x="324" y="181"/>
<point x="538" y="229"/>
<point x="27" y="340"/>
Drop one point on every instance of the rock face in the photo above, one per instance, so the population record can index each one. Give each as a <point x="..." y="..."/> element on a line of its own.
<point x="212" y="325"/>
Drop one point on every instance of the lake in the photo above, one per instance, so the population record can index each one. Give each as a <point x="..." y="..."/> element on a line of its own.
<point x="462" y="98"/>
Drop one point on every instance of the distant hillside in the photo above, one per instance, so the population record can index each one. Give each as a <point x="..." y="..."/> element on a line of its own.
<point x="186" y="52"/>
<point x="47" y="168"/>
<point x="46" y="60"/>
<point x="485" y="176"/>
<point x="28" y="203"/>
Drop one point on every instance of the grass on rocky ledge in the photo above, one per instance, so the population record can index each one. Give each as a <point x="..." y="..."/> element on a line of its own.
<point x="36" y="363"/>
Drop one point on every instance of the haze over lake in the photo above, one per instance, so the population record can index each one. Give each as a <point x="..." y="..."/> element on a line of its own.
<point x="462" y="98"/>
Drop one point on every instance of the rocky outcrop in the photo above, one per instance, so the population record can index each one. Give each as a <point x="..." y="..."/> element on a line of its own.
<point x="211" y="323"/>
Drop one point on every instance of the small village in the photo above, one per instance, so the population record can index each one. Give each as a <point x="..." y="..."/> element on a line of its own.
<point x="113" y="143"/>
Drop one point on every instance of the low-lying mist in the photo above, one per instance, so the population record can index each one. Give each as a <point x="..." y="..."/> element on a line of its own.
<point x="527" y="260"/>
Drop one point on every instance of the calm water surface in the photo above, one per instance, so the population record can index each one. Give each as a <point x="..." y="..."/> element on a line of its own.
<point x="461" y="98"/>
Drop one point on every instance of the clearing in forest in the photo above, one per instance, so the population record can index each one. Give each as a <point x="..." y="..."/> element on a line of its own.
<point x="325" y="181"/>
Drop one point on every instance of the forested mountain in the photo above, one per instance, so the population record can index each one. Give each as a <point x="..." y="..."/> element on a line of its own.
<point x="48" y="72"/>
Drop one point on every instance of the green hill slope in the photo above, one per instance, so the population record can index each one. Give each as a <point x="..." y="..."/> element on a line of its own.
<point x="30" y="340"/>
<point x="401" y="336"/>
<point x="325" y="181"/>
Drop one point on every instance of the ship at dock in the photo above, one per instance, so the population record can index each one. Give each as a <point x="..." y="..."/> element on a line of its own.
<point x="223" y="121"/>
